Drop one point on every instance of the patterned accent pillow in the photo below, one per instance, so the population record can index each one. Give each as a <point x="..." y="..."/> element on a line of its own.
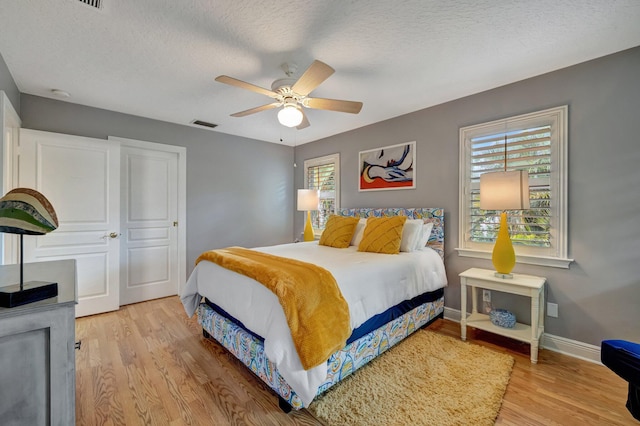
<point x="383" y="235"/>
<point x="338" y="231"/>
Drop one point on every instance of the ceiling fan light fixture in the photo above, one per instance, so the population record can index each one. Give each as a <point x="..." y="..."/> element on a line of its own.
<point x="290" y="116"/>
<point x="293" y="94"/>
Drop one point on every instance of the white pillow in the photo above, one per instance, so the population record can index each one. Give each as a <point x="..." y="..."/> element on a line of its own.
<point x="359" y="232"/>
<point x="426" y="233"/>
<point x="411" y="233"/>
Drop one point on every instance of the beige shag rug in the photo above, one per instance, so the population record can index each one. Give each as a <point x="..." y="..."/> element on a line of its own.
<point x="428" y="379"/>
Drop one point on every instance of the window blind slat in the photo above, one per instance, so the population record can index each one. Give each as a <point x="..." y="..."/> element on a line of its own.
<point x="492" y="138"/>
<point x="513" y="147"/>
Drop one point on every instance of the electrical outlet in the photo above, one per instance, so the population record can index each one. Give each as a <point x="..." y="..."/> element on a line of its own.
<point x="552" y="310"/>
<point x="486" y="296"/>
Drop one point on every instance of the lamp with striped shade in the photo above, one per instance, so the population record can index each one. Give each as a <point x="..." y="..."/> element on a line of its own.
<point x="26" y="211"/>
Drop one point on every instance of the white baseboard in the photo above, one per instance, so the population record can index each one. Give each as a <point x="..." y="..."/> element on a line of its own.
<point x="572" y="348"/>
<point x="565" y="346"/>
<point x="452" y="314"/>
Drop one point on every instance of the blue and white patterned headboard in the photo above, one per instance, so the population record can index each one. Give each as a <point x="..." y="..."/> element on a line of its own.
<point x="436" y="216"/>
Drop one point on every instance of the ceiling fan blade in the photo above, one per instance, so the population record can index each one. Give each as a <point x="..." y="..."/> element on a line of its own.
<point x="333" y="105"/>
<point x="256" y="109"/>
<point x="312" y="78"/>
<point x="304" y="123"/>
<point x="244" y="85"/>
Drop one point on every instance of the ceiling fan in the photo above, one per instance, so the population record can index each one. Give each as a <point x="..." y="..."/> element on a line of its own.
<point x="292" y="95"/>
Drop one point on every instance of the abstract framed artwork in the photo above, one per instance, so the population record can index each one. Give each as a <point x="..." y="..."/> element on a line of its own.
<point x="390" y="167"/>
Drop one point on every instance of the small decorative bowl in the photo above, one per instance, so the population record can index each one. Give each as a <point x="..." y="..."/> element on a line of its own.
<point x="502" y="318"/>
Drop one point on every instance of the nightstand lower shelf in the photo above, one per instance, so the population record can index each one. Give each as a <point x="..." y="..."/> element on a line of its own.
<point x="521" y="332"/>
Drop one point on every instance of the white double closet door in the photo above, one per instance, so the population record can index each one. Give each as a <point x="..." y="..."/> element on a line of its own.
<point x="119" y="205"/>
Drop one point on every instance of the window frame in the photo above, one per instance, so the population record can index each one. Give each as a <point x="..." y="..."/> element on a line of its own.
<point x="556" y="255"/>
<point x="320" y="161"/>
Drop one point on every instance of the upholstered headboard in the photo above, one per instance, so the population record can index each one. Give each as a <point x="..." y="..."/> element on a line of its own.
<point x="434" y="215"/>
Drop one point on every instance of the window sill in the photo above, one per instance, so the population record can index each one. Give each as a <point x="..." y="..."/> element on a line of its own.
<point x="554" y="262"/>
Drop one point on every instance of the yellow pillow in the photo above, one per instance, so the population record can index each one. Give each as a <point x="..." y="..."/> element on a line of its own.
<point x="338" y="231"/>
<point x="383" y="235"/>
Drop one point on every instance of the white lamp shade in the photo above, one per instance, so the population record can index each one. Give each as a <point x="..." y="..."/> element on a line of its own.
<point x="504" y="190"/>
<point x="307" y="199"/>
<point x="290" y="116"/>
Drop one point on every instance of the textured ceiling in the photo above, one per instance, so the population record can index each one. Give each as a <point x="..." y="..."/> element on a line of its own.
<point x="159" y="58"/>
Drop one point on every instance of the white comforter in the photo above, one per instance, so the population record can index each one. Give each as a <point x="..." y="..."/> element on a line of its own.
<point x="370" y="283"/>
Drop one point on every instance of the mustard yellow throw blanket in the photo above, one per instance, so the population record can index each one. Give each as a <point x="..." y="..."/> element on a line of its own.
<point x="316" y="312"/>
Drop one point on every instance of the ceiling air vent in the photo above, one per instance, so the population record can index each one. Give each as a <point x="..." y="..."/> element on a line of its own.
<point x="204" y="123"/>
<point x="97" y="4"/>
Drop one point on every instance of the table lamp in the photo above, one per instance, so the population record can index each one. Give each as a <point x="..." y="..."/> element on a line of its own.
<point x="504" y="191"/>
<point x="307" y="201"/>
<point x="26" y="211"/>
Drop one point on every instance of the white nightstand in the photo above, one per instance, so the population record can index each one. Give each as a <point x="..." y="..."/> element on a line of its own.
<point x="524" y="285"/>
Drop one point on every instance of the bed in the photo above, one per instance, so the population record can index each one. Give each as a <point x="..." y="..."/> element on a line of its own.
<point x="246" y="322"/>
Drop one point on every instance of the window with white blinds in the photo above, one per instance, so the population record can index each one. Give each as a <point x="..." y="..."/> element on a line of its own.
<point x="323" y="174"/>
<point x="534" y="142"/>
<point x="527" y="149"/>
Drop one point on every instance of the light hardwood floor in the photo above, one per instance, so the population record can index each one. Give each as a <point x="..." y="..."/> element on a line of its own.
<point x="148" y="364"/>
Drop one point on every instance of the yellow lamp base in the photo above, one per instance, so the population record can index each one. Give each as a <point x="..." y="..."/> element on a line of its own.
<point x="503" y="257"/>
<point x="308" y="230"/>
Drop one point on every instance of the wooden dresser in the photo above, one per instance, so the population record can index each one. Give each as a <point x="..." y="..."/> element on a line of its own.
<point x="37" y="344"/>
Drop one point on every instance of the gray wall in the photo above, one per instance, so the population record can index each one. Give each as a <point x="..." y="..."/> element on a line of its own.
<point x="9" y="85"/>
<point x="599" y="296"/>
<point x="239" y="191"/>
